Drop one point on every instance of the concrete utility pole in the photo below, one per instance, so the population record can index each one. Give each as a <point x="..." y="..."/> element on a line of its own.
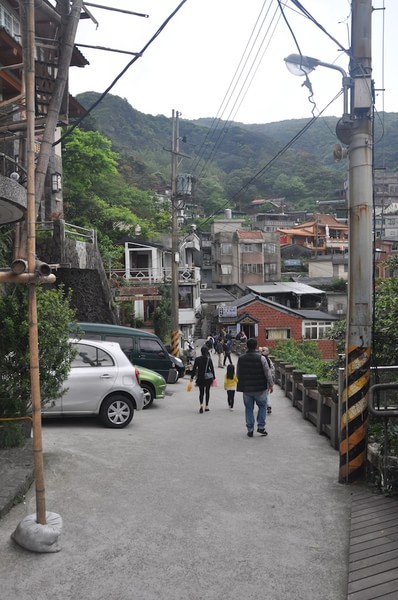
<point x="358" y="134"/>
<point x="175" y="257"/>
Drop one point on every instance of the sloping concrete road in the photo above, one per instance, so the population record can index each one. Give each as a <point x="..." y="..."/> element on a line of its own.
<point x="184" y="506"/>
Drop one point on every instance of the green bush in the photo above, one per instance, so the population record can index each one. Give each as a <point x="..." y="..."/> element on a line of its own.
<point x="162" y="314"/>
<point x="11" y="434"/>
<point x="305" y="356"/>
<point x="55" y="353"/>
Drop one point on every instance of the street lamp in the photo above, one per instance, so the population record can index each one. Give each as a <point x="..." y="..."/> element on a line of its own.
<point x="356" y="131"/>
<point x="300" y="65"/>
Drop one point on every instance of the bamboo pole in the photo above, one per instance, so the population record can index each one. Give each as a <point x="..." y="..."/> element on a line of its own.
<point x="31" y="256"/>
<point x="8" y="277"/>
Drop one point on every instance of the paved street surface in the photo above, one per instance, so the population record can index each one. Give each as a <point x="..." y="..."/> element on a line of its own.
<point x="184" y="506"/>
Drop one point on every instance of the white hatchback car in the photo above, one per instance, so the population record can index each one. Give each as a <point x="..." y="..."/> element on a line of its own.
<point x="102" y="381"/>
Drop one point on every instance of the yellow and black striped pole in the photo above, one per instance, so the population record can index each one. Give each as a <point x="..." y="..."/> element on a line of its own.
<point x="356" y="129"/>
<point x="175" y="257"/>
<point x="354" y="415"/>
<point x="175" y="342"/>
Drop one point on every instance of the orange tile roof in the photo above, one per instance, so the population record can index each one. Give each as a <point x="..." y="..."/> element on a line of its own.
<point x="249" y="235"/>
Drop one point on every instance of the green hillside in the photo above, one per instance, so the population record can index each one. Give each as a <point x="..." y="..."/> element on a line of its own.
<point x="227" y="158"/>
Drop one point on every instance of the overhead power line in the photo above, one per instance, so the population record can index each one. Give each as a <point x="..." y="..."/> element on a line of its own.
<point x="227" y="98"/>
<point x="132" y="61"/>
<point x="280" y="153"/>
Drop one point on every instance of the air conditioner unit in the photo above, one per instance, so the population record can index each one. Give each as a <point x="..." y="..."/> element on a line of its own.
<point x="203" y="286"/>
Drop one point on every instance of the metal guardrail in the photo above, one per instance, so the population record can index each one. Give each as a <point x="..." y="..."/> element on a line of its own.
<point x="69" y="230"/>
<point x="9" y="165"/>
<point x="374" y="396"/>
<point x="384" y="410"/>
<point x="81" y="232"/>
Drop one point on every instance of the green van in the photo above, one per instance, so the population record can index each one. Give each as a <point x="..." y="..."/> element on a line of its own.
<point x="141" y="347"/>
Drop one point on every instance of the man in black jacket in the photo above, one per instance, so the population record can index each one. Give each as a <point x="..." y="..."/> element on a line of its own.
<point x="255" y="381"/>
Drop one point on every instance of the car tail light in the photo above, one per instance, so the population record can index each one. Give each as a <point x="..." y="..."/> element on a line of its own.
<point x="137" y="374"/>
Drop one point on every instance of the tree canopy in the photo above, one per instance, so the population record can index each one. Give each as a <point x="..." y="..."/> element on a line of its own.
<point x="97" y="196"/>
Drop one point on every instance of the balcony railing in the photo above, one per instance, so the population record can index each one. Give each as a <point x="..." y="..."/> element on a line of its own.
<point x="186" y="275"/>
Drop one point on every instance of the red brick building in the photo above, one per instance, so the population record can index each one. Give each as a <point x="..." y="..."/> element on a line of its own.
<point x="270" y="322"/>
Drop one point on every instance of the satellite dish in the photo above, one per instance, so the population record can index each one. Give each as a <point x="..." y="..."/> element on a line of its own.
<point x="339" y="152"/>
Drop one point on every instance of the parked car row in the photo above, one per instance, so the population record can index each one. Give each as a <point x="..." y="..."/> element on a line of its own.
<point x="110" y="375"/>
<point x="144" y="349"/>
<point x="103" y="382"/>
<point x="153" y="384"/>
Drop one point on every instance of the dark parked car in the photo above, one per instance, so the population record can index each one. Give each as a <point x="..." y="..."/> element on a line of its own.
<point x="179" y="365"/>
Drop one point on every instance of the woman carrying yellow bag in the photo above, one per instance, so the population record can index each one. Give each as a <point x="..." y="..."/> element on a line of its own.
<point x="204" y="370"/>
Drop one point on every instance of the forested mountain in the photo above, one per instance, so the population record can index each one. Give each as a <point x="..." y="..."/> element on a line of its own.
<point x="234" y="162"/>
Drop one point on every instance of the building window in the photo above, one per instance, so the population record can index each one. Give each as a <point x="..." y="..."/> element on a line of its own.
<point x="185" y="299"/>
<point x="270" y="248"/>
<point x="248" y="268"/>
<point x="250" y="329"/>
<point x="316" y="330"/>
<point x="277" y="333"/>
<point x="226" y="248"/>
<point x="226" y="269"/>
<point x="270" y="268"/>
<point x="250" y="248"/>
<point x="9" y="22"/>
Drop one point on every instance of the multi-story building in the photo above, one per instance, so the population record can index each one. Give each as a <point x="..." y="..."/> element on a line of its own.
<point x="148" y="267"/>
<point x="243" y="256"/>
<point x="334" y="266"/>
<point x="323" y="234"/>
<point x="275" y="221"/>
<point x="207" y="260"/>
<point x="48" y="49"/>
<point x="385" y="204"/>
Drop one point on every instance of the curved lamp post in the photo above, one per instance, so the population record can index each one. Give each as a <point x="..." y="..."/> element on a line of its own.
<point x="356" y="131"/>
<point x="300" y="65"/>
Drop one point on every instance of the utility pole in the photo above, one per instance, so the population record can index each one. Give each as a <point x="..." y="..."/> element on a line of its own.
<point x="175" y="257"/>
<point x="358" y="134"/>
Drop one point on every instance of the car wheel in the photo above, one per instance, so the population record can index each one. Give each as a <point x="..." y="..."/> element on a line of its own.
<point x="149" y="394"/>
<point x="116" y="411"/>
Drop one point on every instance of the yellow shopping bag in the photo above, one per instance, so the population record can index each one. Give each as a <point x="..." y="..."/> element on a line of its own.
<point x="189" y="386"/>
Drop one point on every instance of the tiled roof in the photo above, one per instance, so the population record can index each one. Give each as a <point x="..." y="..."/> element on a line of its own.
<point x="249" y="235"/>
<point x="296" y="231"/>
<point x="314" y="315"/>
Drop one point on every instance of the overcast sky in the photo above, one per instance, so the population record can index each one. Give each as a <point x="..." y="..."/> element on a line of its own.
<point x="201" y="65"/>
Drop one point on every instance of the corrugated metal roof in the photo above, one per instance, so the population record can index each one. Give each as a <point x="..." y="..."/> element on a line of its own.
<point x="215" y="295"/>
<point x="281" y="287"/>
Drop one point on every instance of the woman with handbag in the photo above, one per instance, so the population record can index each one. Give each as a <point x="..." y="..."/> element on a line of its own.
<point x="204" y="370"/>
